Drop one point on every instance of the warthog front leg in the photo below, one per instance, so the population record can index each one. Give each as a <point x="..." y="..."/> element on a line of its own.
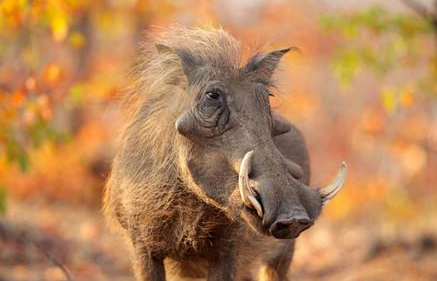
<point x="223" y="261"/>
<point x="276" y="267"/>
<point x="222" y="268"/>
<point x="147" y="266"/>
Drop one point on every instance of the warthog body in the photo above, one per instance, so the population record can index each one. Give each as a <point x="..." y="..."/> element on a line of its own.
<point x="208" y="182"/>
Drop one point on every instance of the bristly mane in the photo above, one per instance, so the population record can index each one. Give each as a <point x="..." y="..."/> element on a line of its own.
<point x="149" y="146"/>
<point x="154" y="69"/>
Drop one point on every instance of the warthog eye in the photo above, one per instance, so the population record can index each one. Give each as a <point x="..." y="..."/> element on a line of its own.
<point x="214" y="95"/>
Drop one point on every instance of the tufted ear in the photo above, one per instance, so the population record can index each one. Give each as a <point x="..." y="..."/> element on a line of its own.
<point x="184" y="60"/>
<point x="260" y="68"/>
<point x="279" y="125"/>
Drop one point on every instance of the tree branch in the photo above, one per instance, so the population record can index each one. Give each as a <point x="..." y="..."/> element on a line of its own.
<point x="419" y="9"/>
<point x="55" y="261"/>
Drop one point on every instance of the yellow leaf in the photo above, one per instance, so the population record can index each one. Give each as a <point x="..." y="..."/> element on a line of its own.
<point x="389" y="100"/>
<point x="10" y="6"/>
<point x="77" y="40"/>
<point x="59" y="26"/>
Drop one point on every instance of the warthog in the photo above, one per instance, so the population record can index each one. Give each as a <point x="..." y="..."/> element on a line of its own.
<point x="209" y="182"/>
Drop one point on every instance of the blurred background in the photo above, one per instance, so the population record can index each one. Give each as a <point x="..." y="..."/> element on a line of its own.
<point x="363" y="90"/>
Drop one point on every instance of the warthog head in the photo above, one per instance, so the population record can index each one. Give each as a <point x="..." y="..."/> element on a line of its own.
<point x="229" y="130"/>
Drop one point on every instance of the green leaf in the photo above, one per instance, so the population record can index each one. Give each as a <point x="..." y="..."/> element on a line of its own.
<point x="346" y="65"/>
<point x="15" y="152"/>
<point x="23" y="161"/>
<point x="77" y="93"/>
<point x="382" y="42"/>
<point x="2" y="200"/>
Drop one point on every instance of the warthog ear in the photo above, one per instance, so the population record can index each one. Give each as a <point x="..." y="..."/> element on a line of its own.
<point x="260" y="68"/>
<point x="279" y="126"/>
<point x="294" y="169"/>
<point x="185" y="60"/>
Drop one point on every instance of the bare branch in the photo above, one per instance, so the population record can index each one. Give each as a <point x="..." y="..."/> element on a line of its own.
<point x="419" y="9"/>
<point x="55" y="261"/>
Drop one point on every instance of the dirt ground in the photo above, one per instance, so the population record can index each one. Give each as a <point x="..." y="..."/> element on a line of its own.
<point x="35" y="236"/>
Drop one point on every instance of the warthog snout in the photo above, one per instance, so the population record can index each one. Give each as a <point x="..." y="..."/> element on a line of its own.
<point x="278" y="204"/>
<point x="292" y="226"/>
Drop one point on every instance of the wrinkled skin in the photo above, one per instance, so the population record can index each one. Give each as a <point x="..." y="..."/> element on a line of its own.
<point x="223" y="192"/>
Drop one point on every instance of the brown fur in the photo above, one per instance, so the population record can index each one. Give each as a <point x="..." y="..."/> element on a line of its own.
<point x="151" y="196"/>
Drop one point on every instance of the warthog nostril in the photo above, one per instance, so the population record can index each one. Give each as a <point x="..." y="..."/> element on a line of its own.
<point x="304" y="223"/>
<point x="290" y="228"/>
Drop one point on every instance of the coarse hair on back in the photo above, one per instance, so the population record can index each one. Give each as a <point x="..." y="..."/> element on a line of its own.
<point x="148" y="156"/>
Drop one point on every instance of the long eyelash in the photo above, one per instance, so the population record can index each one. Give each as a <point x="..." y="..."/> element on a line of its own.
<point x="270" y="94"/>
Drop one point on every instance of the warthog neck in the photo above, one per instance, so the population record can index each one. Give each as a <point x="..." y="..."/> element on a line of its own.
<point x="189" y="226"/>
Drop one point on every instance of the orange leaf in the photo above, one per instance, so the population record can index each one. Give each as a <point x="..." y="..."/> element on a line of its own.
<point x="373" y="121"/>
<point x="53" y="73"/>
<point x="18" y="97"/>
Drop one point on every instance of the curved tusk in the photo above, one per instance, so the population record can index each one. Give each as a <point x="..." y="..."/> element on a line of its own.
<point x="247" y="193"/>
<point x="256" y="205"/>
<point x="329" y="192"/>
<point x="243" y="177"/>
